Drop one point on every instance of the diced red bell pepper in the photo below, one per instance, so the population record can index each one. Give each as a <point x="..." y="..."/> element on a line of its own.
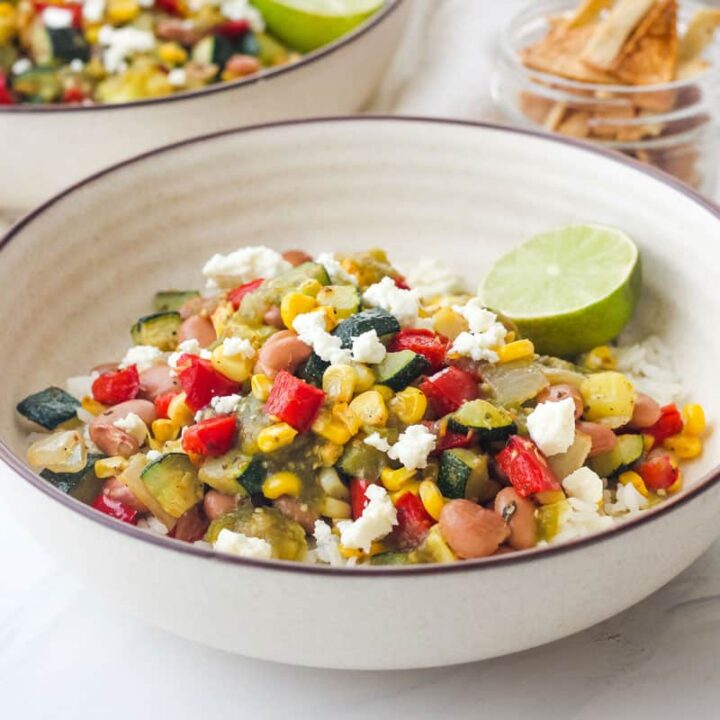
<point x="115" y="508"/>
<point x="669" y="424"/>
<point x="658" y="473"/>
<point x="73" y="94"/>
<point x="6" y="97"/>
<point x="232" y="29"/>
<point x="162" y="402"/>
<point x="75" y="9"/>
<point x="401" y="282"/>
<point x="211" y="437"/>
<point x="358" y="501"/>
<point x="448" y="389"/>
<point x="451" y="440"/>
<point x="525" y="467"/>
<point x="235" y="296"/>
<point x="172" y="7"/>
<point x="430" y="345"/>
<point x="201" y="382"/>
<point x="294" y="401"/>
<point x="414" y="521"/>
<point x="117" y="386"/>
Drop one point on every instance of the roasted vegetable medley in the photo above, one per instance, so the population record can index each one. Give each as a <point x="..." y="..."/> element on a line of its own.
<point x="116" y="51"/>
<point x="321" y="410"/>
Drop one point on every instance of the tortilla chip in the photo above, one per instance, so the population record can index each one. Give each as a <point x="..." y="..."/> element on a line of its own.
<point x="650" y="54"/>
<point x="699" y="34"/>
<point x="610" y="130"/>
<point x="692" y="68"/>
<point x="587" y="12"/>
<point x="576" y="124"/>
<point x="555" y="116"/>
<point x="610" y="35"/>
<point x="534" y="107"/>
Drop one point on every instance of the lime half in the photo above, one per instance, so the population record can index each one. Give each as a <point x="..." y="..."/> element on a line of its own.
<point x="306" y="25"/>
<point x="568" y="289"/>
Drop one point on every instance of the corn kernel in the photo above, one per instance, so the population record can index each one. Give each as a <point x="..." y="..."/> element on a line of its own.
<point x="693" y="420"/>
<point x="110" y="466"/>
<point x="510" y="337"/>
<point x="281" y="483"/>
<point x="220" y="317"/>
<point x="686" y="447"/>
<point x="154" y="444"/>
<point x="370" y="408"/>
<point x="518" y="350"/>
<point x="632" y="478"/>
<point x="330" y="428"/>
<point x="364" y="378"/>
<point x="172" y="446"/>
<point x="120" y="12"/>
<point x="432" y="498"/>
<point x="179" y="412"/>
<point x="164" y="430"/>
<point x="343" y="414"/>
<point x="92" y="406"/>
<point x="260" y="386"/>
<point x="600" y="358"/>
<point x="339" y="383"/>
<point x="386" y="393"/>
<point x="393" y="480"/>
<point x="8" y="22"/>
<point x="310" y="287"/>
<point x="331" y="319"/>
<point x="411" y="487"/>
<point x="348" y="553"/>
<point x="294" y="304"/>
<point x="237" y="368"/>
<point x="335" y="509"/>
<point x="329" y="453"/>
<point x="171" y="53"/>
<point x="449" y="323"/>
<point x="409" y="405"/>
<point x="648" y="442"/>
<point x="677" y="486"/>
<point x="275" y="437"/>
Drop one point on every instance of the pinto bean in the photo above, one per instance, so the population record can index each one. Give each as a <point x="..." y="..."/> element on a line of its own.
<point x="519" y="513"/>
<point x="471" y="530"/>
<point x="216" y="504"/>
<point x="178" y="31"/>
<point x="197" y="328"/>
<point x="282" y="351"/>
<point x="298" y="511"/>
<point x="198" y="306"/>
<point x="242" y="65"/>
<point x="646" y="412"/>
<point x="155" y="381"/>
<point x="603" y="438"/>
<point x="191" y="526"/>
<point x="273" y="318"/>
<point x="117" y="490"/>
<point x="556" y="393"/>
<point x="296" y="257"/>
<point x="114" y="441"/>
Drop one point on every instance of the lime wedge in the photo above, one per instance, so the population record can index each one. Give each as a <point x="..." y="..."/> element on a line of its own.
<point x="306" y="25"/>
<point x="568" y="289"/>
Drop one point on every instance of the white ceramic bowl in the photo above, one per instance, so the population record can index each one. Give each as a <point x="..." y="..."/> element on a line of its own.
<point x="46" y="148"/>
<point x="77" y="271"/>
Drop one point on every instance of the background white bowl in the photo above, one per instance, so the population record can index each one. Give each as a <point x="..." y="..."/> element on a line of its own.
<point x="76" y="272"/>
<point x="46" y="148"/>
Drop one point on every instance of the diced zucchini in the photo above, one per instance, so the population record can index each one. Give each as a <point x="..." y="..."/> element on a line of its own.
<point x="464" y="474"/>
<point x="399" y="369"/>
<point x="173" y="300"/>
<point x="372" y="319"/>
<point x="433" y="549"/>
<point x="490" y="422"/>
<point x="233" y="473"/>
<point x="41" y="85"/>
<point x="213" y="50"/>
<point x="345" y="299"/>
<point x="70" y="483"/>
<point x="628" y="450"/>
<point x="313" y="370"/>
<point x="159" y="329"/>
<point x="173" y="482"/>
<point x="48" y="45"/>
<point x="390" y="558"/>
<point x="291" y="279"/>
<point x="247" y="44"/>
<point x="550" y="519"/>
<point x="573" y="458"/>
<point x="361" y="461"/>
<point x="49" y="408"/>
<point x="272" y="53"/>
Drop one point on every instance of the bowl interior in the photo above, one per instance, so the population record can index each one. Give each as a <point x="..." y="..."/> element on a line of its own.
<point x="79" y="271"/>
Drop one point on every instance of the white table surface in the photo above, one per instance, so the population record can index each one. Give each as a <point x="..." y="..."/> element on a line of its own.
<point x="64" y="655"/>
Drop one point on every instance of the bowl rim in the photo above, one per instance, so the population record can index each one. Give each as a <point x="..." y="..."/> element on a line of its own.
<point x="321" y="53"/>
<point x="702" y="485"/>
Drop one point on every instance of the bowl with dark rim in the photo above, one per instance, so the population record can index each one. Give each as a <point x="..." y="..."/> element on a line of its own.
<point x="47" y="147"/>
<point x="75" y="269"/>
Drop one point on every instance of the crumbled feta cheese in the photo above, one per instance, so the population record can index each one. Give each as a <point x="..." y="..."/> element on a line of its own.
<point x="403" y="304"/>
<point x="244" y="265"/>
<point x="177" y="77"/>
<point x="93" y="11"/>
<point x="552" y="426"/>
<point x="627" y="500"/>
<point x="580" y="519"/>
<point x="242" y="10"/>
<point x="152" y="524"/>
<point x="367" y="348"/>
<point x="77" y="65"/>
<point x="376" y="521"/>
<point x="238" y="347"/>
<point x="413" y="447"/>
<point x="338" y="274"/>
<point x="477" y="346"/>
<point x="146" y="4"/>
<point x="327" y="545"/>
<point x="585" y="485"/>
<point x="310" y="328"/>
<point x="225" y="405"/>
<point x="80" y="386"/>
<point x="143" y="357"/>
<point x="83" y="415"/>
<point x="57" y="18"/>
<point x="378" y="442"/>
<point x="236" y="543"/>
<point x="153" y="455"/>
<point x="485" y="332"/>
<point x="188" y="347"/>
<point x="22" y="65"/>
<point x="430" y="278"/>
<point x="479" y="318"/>
<point x="133" y="425"/>
<point x="120" y="43"/>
